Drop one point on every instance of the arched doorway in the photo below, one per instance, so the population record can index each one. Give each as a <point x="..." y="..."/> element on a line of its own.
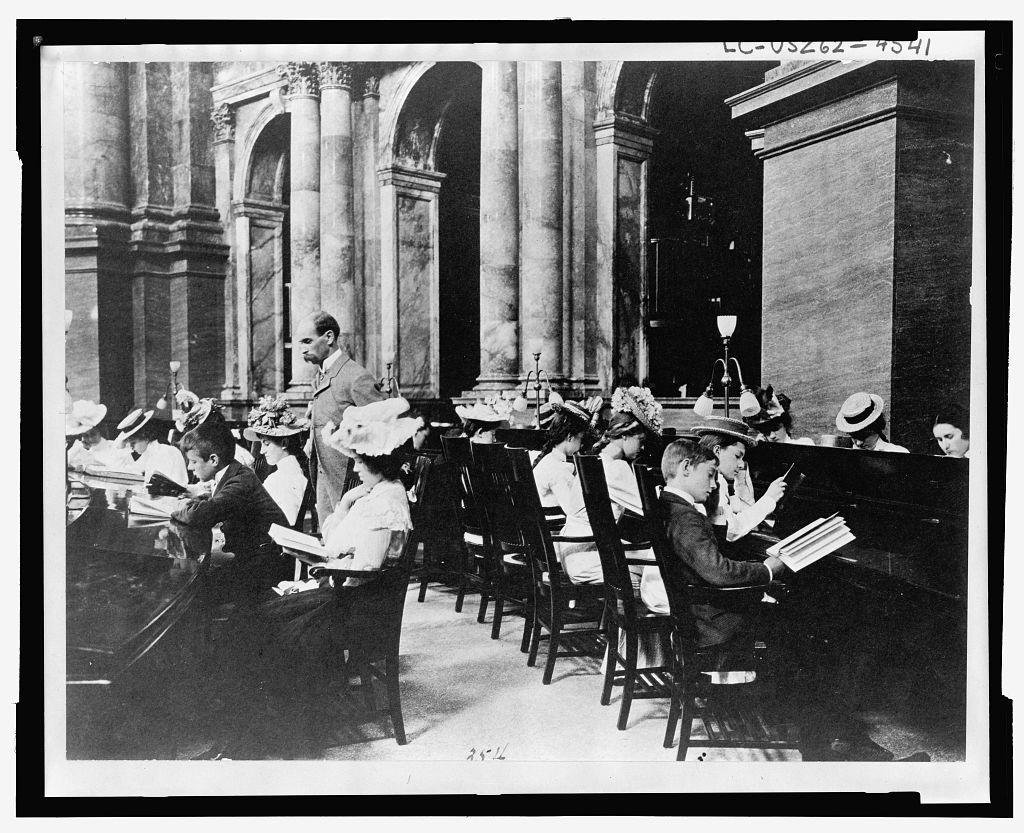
<point x="430" y="235"/>
<point x="261" y="220"/>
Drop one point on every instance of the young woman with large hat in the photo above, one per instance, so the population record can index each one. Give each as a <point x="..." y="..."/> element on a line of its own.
<point x="89" y="446"/>
<point x="273" y="424"/>
<point x="862" y="416"/>
<point x="140" y="433"/>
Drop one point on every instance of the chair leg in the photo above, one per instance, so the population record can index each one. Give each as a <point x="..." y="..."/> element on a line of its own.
<point x="484" y="599"/>
<point x="499" y="610"/>
<point x="366" y="684"/>
<point x="534" y="641"/>
<point x="611" y="662"/>
<point x="673" y="719"/>
<point x="549" y="666"/>
<point x="394" y="698"/>
<point x="686" y="696"/>
<point x="462" y="592"/>
<point x="628" y="680"/>
<point x="524" y="646"/>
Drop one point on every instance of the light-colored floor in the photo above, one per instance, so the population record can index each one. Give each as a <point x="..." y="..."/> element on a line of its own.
<point x="464" y="693"/>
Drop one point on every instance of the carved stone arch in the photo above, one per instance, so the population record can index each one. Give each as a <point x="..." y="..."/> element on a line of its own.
<point x="626" y="89"/>
<point x="248" y="146"/>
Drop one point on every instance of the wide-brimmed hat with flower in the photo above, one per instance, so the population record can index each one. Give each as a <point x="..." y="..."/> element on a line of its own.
<point x="189" y="410"/>
<point x="859" y="411"/>
<point x="478" y="412"/>
<point x="773" y="406"/>
<point x="132" y="423"/>
<point x="640" y="403"/>
<point x="735" y="429"/>
<point x="85" y="415"/>
<point x="273" y="418"/>
<point x="372" y="430"/>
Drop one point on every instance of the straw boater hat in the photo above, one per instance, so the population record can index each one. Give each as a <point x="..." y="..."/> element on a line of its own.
<point x="735" y="429"/>
<point x="549" y="409"/>
<point x="132" y="423"/>
<point x="372" y="430"/>
<point x="85" y="415"/>
<point x="859" y="411"/>
<point x="478" y="412"/>
<point x="272" y="418"/>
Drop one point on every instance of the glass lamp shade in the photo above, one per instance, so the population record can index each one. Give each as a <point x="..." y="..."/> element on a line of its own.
<point x="519" y="404"/>
<point x="161" y="403"/>
<point x="175" y="366"/>
<point x="704" y="405"/>
<point x="726" y="325"/>
<point x="749" y="406"/>
<point x="68" y="317"/>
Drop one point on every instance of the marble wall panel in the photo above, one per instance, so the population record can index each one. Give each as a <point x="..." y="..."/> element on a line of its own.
<point x="150" y="131"/>
<point x="837" y="113"/>
<point x="197" y="331"/>
<point x="628" y="277"/>
<point x="827" y="271"/>
<point x="416" y="320"/>
<point x="264" y="307"/>
<point x="932" y="312"/>
<point x="151" y="337"/>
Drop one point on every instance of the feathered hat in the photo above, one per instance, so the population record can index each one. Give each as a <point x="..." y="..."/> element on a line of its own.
<point x="273" y="418"/>
<point x="85" y="415"/>
<point x="640" y="404"/>
<point x="372" y="430"/>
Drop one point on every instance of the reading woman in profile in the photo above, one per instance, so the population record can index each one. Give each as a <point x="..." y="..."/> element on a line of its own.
<point x="273" y="424"/>
<point x="479" y="421"/>
<point x="90" y="447"/>
<point x="862" y="416"/>
<point x="635" y="416"/>
<point x="140" y="433"/>
<point x="951" y="429"/>
<point x="553" y="469"/>
<point x="774" y="422"/>
<point x="367" y="529"/>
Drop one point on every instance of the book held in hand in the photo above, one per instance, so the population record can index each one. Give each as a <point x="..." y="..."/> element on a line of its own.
<point x="104" y="473"/>
<point x="152" y="507"/>
<point x="298" y="541"/>
<point x="160" y="484"/>
<point x="813" y="542"/>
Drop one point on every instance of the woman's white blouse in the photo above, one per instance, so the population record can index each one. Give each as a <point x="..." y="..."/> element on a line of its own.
<point x="165" y="459"/>
<point x="104" y="453"/>
<point x="734" y="512"/>
<point x="554" y="475"/>
<point x="287" y="486"/>
<point x="373" y="530"/>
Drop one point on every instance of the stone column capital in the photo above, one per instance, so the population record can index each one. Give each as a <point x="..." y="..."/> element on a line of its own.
<point x="371" y="87"/>
<point x="223" y="118"/>
<point x="302" y="78"/>
<point x="335" y="75"/>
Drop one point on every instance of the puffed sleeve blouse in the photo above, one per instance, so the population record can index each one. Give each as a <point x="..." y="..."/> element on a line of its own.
<point x="373" y="530"/>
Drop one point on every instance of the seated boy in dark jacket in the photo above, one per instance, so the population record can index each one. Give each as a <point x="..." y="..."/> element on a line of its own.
<point x="243" y="508"/>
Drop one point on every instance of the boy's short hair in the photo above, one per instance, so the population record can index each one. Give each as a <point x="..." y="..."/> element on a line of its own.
<point x="210" y="438"/>
<point x="684" y="449"/>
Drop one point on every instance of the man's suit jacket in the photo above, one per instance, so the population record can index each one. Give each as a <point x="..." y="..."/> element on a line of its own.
<point x="345" y="383"/>
<point x="243" y="508"/>
<point x="692" y="539"/>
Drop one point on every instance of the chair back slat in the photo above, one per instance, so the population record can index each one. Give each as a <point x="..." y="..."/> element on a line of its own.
<point x="493" y="485"/>
<point x="533" y="523"/>
<point x="650" y="481"/>
<point x="458" y="452"/>
<point x="590" y="471"/>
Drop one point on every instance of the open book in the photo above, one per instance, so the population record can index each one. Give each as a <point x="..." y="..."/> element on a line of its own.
<point x="298" y="541"/>
<point x="152" y="507"/>
<point x="813" y="542"/>
<point x="112" y="474"/>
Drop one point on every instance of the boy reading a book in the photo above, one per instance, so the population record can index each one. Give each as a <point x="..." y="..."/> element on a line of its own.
<point x="691" y="475"/>
<point x="242" y="507"/>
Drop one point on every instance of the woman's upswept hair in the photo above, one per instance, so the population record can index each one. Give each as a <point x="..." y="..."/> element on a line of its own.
<point x="955" y="415"/>
<point x="563" y="425"/>
<point x="620" y="425"/>
<point x="388" y="466"/>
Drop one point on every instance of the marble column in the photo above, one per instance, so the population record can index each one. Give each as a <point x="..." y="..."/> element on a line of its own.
<point x="302" y="92"/>
<point x="337" y="275"/>
<point x="370" y="322"/>
<point x="223" y="118"/>
<point x="541" y="259"/>
<point x="499" y="226"/>
<point x="98" y="347"/>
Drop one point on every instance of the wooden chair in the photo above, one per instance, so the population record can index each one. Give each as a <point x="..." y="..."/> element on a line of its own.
<point x="571" y="613"/>
<point x="476" y="572"/>
<point x="513" y="586"/>
<point x="625" y="613"/>
<point x="726" y="723"/>
<point x="440" y="530"/>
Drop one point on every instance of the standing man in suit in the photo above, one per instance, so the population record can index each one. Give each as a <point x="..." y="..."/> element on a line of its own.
<point x="338" y="383"/>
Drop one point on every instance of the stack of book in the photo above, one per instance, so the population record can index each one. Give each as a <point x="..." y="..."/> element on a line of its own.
<point x="813" y="542"/>
<point x="152" y="507"/>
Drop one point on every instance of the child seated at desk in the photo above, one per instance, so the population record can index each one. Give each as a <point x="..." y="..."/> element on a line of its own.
<point x="244" y="510"/>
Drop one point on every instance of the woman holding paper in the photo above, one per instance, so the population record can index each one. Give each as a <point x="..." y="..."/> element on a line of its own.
<point x="140" y="433"/>
<point x="733" y="505"/>
<point x="367" y="529"/>
<point x="636" y="415"/>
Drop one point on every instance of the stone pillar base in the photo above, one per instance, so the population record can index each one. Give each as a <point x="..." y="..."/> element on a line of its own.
<point x="495" y="382"/>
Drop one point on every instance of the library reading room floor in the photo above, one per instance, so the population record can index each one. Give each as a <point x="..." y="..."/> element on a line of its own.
<point x="464" y="692"/>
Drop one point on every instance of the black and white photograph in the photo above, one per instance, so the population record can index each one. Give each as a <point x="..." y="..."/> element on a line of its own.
<point x="517" y="417"/>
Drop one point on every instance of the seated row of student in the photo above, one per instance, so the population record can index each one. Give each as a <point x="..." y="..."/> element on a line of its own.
<point x="635" y="416"/>
<point x="862" y="416"/>
<point x="367" y="530"/>
<point x="951" y="429"/>
<point x="691" y="471"/>
<point x="774" y="421"/>
<point x="243" y="508"/>
<point x="733" y="505"/>
<point x="88" y="445"/>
